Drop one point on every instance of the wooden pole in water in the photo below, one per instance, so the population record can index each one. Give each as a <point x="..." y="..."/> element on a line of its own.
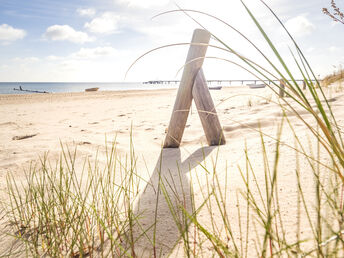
<point x="207" y="112"/>
<point x="282" y="88"/>
<point x="304" y="84"/>
<point x="184" y="96"/>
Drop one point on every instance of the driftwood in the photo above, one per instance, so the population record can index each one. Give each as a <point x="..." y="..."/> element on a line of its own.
<point x="17" y="138"/>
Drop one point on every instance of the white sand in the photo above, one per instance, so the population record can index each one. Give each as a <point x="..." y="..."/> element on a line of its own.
<point x="84" y="119"/>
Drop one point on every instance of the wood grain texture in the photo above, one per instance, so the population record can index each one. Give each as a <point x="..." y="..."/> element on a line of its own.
<point x="194" y="62"/>
<point x="207" y="112"/>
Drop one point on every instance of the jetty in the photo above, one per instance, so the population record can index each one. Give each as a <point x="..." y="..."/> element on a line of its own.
<point x="227" y="82"/>
<point x="31" y="91"/>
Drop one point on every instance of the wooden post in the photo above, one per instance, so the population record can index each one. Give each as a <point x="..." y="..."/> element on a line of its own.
<point x="184" y="96"/>
<point x="281" y="89"/>
<point x="207" y="112"/>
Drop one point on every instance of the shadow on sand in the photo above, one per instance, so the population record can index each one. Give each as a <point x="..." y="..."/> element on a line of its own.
<point x="152" y="207"/>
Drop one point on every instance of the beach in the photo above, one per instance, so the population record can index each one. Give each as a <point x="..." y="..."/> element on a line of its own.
<point x="36" y="125"/>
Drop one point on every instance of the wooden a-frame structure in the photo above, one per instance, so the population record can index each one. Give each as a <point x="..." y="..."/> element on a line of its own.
<point x="193" y="85"/>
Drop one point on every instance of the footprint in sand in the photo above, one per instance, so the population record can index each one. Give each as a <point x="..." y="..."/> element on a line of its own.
<point x="250" y="125"/>
<point x="12" y="125"/>
<point x="8" y="123"/>
<point x="332" y="100"/>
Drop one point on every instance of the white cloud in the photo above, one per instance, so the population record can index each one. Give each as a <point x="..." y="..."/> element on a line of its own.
<point x="84" y="54"/>
<point x="144" y="3"/>
<point x="87" y="53"/>
<point x="334" y="49"/>
<point x="53" y="58"/>
<point x="107" y="23"/>
<point x="71" y="65"/>
<point x="66" y="33"/>
<point x="8" y="33"/>
<point x="26" y="59"/>
<point x="310" y="49"/>
<point x="334" y="23"/>
<point x="299" y="26"/>
<point x="90" y="12"/>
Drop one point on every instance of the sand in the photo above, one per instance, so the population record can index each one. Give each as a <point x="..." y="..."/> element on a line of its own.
<point x="34" y="124"/>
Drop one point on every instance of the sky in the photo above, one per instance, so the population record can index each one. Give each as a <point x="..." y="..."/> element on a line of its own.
<point x="98" y="40"/>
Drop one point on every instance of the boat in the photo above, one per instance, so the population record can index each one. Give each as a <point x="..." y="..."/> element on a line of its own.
<point x="256" y="86"/>
<point x="154" y="82"/>
<point x="215" y="87"/>
<point x="92" y="89"/>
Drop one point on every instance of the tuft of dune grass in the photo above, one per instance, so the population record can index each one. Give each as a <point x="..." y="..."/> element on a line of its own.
<point x="332" y="78"/>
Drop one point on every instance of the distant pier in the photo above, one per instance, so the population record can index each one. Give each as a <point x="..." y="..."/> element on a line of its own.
<point x="224" y="82"/>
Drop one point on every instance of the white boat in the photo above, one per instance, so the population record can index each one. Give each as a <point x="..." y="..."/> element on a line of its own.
<point x="256" y="86"/>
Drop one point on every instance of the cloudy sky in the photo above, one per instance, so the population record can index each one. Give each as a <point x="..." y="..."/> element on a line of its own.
<point x="97" y="40"/>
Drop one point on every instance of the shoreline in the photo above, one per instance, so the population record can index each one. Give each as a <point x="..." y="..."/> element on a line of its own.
<point x="95" y="94"/>
<point x="98" y="94"/>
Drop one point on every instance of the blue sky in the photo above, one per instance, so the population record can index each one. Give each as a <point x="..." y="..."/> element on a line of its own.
<point x="97" y="40"/>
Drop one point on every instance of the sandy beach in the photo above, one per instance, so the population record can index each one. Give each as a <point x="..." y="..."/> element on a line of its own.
<point x="90" y="121"/>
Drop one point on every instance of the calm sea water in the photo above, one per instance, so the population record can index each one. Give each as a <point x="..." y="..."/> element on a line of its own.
<point x="54" y="87"/>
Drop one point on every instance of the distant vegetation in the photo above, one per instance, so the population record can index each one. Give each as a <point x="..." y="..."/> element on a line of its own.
<point x="336" y="14"/>
<point x="336" y="76"/>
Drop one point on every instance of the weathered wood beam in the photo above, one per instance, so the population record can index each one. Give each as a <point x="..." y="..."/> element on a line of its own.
<point x="207" y="112"/>
<point x="194" y="62"/>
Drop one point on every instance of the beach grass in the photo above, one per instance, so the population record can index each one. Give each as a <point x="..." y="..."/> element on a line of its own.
<point x="337" y="76"/>
<point x="59" y="211"/>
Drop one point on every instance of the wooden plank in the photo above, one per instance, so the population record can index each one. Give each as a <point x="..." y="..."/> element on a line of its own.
<point x="184" y="96"/>
<point x="207" y="112"/>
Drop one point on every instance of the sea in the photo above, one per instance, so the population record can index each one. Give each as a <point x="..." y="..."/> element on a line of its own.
<point x="56" y="87"/>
